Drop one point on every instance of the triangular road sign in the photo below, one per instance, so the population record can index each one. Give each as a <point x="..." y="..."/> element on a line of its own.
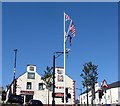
<point x="104" y="84"/>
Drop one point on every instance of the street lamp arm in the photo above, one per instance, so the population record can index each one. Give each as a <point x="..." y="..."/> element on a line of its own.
<point x="60" y="53"/>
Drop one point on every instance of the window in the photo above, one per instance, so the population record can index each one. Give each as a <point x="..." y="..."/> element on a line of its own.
<point x="31" y="75"/>
<point x="50" y="87"/>
<point x="83" y="97"/>
<point x="59" y="71"/>
<point x="60" y="78"/>
<point x="31" y="68"/>
<point x="28" y="98"/>
<point x="40" y="86"/>
<point x="29" y="85"/>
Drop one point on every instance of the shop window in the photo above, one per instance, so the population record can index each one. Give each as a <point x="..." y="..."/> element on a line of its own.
<point x="29" y="85"/>
<point x="28" y="98"/>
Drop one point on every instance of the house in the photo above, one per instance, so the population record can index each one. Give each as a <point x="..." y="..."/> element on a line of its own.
<point x="31" y="86"/>
<point x="108" y="95"/>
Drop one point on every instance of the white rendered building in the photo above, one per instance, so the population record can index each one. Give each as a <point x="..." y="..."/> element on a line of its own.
<point x="111" y="95"/>
<point x="31" y="86"/>
<point x="1" y="89"/>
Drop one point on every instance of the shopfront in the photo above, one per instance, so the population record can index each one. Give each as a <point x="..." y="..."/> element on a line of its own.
<point x="28" y="95"/>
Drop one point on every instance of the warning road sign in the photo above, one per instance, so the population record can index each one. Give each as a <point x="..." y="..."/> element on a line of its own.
<point x="104" y="84"/>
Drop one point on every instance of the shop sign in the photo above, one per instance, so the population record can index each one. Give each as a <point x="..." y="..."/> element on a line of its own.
<point x="23" y="92"/>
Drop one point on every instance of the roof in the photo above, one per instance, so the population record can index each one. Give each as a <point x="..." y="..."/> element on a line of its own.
<point x="115" y="84"/>
<point x="59" y="67"/>
<point x="31" y="65"/>
<point x="15" y="79"/>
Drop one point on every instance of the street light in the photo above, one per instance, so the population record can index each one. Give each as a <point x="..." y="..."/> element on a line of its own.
<point x="56" y="55"/>
<point x="14" y="79"/>
<point x="81" y="94"/>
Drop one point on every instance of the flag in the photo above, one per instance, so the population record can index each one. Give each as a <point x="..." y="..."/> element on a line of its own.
<point x="67" y="17"/>
<point x="72" y="29"/>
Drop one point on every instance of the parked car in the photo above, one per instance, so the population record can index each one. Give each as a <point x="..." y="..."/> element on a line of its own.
<point x="33" y="102"/>
<point x="15" y="99"/>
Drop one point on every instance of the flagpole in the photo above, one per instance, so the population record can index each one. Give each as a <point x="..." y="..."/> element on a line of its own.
<point x="66" y="17"/>
<point x="64" y="63"/>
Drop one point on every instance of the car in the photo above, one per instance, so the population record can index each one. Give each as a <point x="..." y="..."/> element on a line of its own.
<point x="15" y="99"/>
<point x="33" y="102"/>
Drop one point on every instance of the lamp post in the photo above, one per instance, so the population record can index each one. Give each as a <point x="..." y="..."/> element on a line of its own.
<point x="14" y="80"/>
<point x="56" y="55"/>
<point x="53" y="94"/>
<point x="81" y="94"/>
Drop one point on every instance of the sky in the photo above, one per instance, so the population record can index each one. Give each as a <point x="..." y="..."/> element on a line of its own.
<point x="36" y="30"/>
<point x="0" y="43"/>
<point x="60" y="0"/>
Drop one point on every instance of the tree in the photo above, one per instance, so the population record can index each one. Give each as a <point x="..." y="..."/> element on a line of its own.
<point x="89" y="75"/>
<point x="47" y="77"/>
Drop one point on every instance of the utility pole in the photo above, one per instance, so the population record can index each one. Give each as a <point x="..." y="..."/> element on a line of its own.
<point x="81" y="94"/>
<point x="14" y="79"/>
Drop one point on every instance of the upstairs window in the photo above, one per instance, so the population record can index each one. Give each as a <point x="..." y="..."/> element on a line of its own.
<point x="31" y="68"/>
<point x="60" y="71"/>
<point x="60" y="78"/>
<point x="29" y="85"/>
<point x="40" y="86"/>
<point x="31" y="75"/>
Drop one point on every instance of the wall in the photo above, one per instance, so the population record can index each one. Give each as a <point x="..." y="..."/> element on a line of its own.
<point x="110" y="97"/>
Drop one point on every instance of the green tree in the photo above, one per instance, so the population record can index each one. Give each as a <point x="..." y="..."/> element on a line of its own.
<point x="89" y="75"/>
<point x="47" y="77"/>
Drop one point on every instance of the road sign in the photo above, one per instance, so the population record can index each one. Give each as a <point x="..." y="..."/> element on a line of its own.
<point x="104" y="84"/>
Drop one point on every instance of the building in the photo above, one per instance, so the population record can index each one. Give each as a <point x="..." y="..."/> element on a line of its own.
<point x="31" y="86"/>
<point x="109" y="95"/>
<point x="70" y="85"/>
<point x="1" y="89"/>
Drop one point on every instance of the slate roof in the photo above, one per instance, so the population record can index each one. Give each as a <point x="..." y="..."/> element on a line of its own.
<point x="115" y="84"/>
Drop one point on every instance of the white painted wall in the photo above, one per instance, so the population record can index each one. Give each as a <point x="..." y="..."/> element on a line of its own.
<point x="111" y="96"/>
<point x="38" y="94"/>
